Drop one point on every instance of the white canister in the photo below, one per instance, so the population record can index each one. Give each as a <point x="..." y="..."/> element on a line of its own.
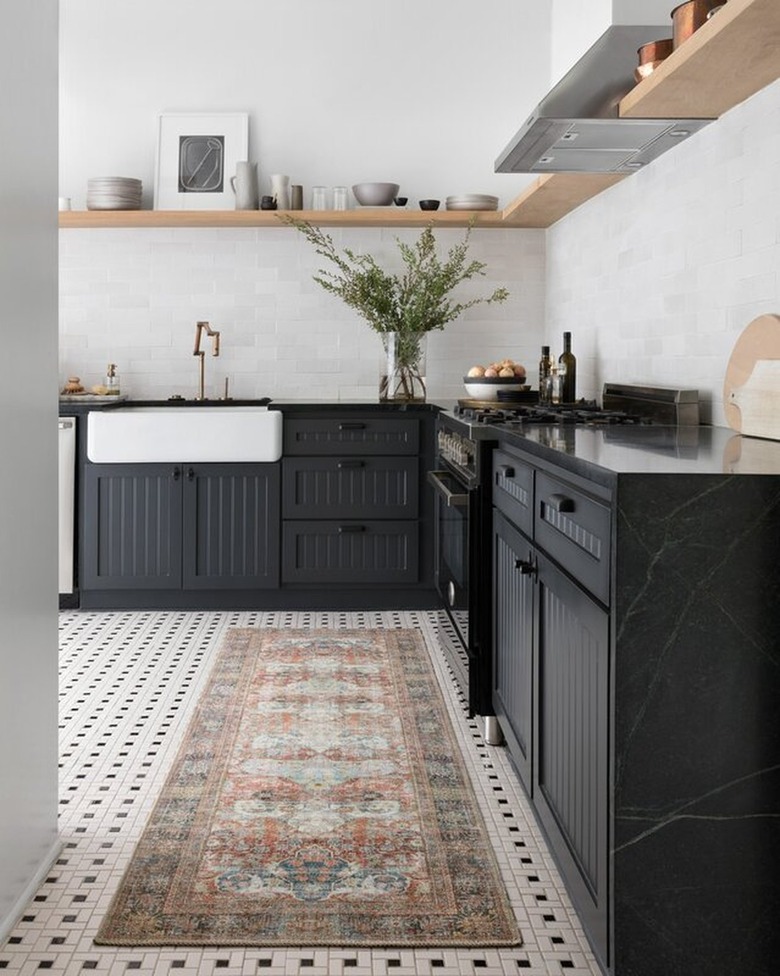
<point x="280" y="190"/>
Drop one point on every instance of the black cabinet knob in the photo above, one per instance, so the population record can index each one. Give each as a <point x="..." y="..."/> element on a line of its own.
<point x="561" y="503"/>
<point x="527" y="567"/>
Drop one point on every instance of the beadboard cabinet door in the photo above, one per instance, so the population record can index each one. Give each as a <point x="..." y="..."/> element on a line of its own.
<point x="231" y="526"/>
<point x="132" y="526"/>
<point x="514" y="591"/>
<point x="571" y="750"/>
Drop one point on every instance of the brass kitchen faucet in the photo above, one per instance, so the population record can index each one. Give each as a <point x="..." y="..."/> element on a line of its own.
<point x="199" y="330"/>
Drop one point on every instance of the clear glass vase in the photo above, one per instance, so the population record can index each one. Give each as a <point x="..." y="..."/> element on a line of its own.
<point x="402" y="371"/>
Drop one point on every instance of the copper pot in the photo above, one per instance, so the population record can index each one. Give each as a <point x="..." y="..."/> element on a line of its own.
<point x="651" y="55"/>
<point x="689" y="17"/>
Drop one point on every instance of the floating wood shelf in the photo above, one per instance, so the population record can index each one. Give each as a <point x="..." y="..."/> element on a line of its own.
<point x="554" y="195"/>
<point x="547" y="199"/>
<point x="730" y="58"/>
<point x="364" y="217"/>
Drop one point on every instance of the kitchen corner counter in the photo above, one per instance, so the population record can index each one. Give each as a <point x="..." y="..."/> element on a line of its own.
<point x="601" y="453"/>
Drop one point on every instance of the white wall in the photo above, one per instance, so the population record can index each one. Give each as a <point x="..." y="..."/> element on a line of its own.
<point x="423" y="94"/>
<point x="657" y="277"/>
<point x="28" y="474"/>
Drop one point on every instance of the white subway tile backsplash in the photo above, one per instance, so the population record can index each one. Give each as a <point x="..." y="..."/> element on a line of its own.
<point x="133" y="296"/>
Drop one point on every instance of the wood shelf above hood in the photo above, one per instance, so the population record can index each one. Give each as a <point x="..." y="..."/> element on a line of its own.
<point x="732" y="56"/>
<point x="554" y="195"/>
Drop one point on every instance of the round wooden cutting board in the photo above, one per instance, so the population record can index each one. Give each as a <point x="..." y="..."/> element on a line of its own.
<point x="759" y="340"/>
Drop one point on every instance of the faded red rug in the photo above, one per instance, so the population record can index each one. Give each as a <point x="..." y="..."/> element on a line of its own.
<point x="319" y="799"/>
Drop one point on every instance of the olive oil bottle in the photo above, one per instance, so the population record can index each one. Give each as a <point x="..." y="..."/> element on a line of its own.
<point x="545" y="370"/>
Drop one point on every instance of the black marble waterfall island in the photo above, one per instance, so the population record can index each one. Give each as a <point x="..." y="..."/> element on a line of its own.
<point x="659" y="784"/>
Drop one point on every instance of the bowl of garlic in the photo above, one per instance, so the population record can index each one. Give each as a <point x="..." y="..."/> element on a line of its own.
<point x="484" y="382"/>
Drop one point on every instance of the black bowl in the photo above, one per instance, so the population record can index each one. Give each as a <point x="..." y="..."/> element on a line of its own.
<point x="401" y="201"/>
<point x="429" y="204"/>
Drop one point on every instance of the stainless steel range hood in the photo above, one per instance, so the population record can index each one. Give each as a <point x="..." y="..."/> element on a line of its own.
<point x="576" y="128"/>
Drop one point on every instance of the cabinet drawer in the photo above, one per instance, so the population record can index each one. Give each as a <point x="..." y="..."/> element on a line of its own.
<point x="366" y="487"/>
<point x="330" y="435"/>
<point x="513" y="490"/>
<point x="350" y="552"/>
<point x="575" y="530"/>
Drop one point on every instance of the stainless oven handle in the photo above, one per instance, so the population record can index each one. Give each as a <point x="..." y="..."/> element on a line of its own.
<point x="453" y="499"/>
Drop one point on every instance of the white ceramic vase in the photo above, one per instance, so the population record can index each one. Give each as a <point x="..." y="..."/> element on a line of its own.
<point x="244" y="185"/>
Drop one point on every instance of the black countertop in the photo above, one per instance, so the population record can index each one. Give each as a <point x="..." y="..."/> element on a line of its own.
<point x="600" y="453"/>
<point x="75" y="405"/>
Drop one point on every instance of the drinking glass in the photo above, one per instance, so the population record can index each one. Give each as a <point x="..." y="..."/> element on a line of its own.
<point x="339" y="198"/>
<point x="319" y="198"/>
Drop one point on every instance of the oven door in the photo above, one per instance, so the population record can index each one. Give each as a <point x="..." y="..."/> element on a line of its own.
<point x="452" y="555"/>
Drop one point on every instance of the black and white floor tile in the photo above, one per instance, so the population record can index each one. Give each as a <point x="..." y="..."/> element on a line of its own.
<point x="128" y="682"/>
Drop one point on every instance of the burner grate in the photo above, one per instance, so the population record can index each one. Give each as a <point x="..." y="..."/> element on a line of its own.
<point x="582" y="412"/>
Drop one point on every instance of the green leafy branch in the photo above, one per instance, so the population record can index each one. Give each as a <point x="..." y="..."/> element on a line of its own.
<point x="417" y="300"/>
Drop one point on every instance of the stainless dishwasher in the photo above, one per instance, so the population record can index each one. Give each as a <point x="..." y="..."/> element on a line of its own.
<point x="67" y="501"/>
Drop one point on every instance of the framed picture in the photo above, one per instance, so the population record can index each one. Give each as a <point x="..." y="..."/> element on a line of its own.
<point x="196" y="156"/>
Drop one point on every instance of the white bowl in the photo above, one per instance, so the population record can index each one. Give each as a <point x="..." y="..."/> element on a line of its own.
<point x="375" y="194"/>
<point x="486" y="388"/>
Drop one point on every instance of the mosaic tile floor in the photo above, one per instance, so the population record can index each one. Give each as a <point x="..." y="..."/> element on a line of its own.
<point x="128" y="682"/>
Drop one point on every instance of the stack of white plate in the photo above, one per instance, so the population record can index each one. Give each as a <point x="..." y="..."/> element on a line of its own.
<point x="113" y="193"/>
<point x="472" y="201"/>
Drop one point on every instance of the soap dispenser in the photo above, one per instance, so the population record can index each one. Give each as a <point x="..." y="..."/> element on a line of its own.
<point x="112" y="380"/>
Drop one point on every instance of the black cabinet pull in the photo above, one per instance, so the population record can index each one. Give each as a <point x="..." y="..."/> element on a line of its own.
<point x="506" y="471"/>
<point x="526" y="566"/>
<point x="561" y="503"/>
<point x="351" y="464"/>
<point x="349" y="529"/>
<point x="190" y="474"/>
<point x="176" y="474"/>
<point x="352" y="426"/>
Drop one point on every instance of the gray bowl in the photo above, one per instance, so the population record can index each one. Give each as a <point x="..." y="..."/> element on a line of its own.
<point x="375" y="194"/>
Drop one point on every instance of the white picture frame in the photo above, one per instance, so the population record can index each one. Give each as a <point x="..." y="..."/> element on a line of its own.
<point x="196" y="157"/>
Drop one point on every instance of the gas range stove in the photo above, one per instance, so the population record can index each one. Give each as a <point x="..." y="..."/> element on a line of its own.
<point x="470" y="422"/>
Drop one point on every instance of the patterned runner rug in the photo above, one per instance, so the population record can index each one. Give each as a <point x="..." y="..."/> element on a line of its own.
<point x="318" y="799"/>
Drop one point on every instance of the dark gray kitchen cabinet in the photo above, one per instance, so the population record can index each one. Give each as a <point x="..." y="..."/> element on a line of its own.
<point x="366" y="551"/>
<point x="351" y="500"/>
<point x="234" y="509"/>
<point x="180" y="526"/>
<point x="551" y="666"/>
<point x="350" y="487"/>
<point x="514" y="590"/>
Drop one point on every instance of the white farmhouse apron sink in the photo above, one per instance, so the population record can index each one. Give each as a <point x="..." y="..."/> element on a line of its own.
<point x="148" y="434"/>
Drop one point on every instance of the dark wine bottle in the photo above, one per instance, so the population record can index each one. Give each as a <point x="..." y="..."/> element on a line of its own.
<point x="545" y="370"/>
<point x="568" y="364"/>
